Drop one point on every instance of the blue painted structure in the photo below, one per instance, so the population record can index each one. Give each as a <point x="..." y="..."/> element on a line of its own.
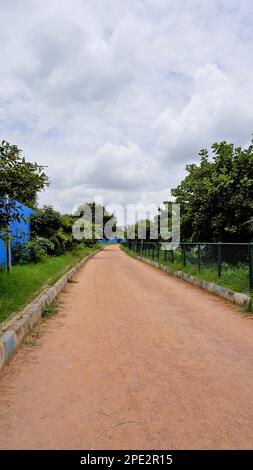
<point x="121" y="240"/>
<point x="19" y="230"/>
<point x="112" y="240"/>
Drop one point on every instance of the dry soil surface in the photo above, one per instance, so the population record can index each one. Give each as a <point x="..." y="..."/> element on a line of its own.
<point x="134" y="359"/>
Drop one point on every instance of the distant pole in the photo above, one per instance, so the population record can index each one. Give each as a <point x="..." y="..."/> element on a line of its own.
<point x="199" y="256"/>
<point x="219" y="259"/>
<point x="251" y="266"/>
<point x="159" y="222"/>
<point x="8" y="243"/>
<point x="184" y="254"/>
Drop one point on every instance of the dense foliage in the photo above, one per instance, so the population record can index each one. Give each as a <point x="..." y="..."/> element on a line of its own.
<point x="216" y="196"/>
<point x="55" y="229"/>
<point x="51" y="234"/>
<point x="30" y="252"/>
<point x="20" y="180"/>
<point x="98" y="217"/>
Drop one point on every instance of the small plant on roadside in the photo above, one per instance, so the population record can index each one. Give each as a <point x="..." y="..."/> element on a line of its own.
<point x="249" y="307"/>
<point x="50" y="310"/>
<point x="32" y="339"/>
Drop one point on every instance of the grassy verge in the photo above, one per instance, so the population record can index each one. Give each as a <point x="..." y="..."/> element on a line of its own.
<point x="236" y="279"/>
<point x="26" y="281"/>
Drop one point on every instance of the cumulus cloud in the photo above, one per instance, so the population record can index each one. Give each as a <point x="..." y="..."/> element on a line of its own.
<point x="116" y="97"/>
<point x="219" y="109"/>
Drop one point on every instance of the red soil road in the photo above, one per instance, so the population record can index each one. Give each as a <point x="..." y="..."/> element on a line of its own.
<point x="135" y="359"/>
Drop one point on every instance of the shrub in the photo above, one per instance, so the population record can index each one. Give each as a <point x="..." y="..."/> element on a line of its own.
<point x="45" y="243"/>
<point x="45" y="223"/>
<point x="53" y="231"/>
<point x="30" y="252"/>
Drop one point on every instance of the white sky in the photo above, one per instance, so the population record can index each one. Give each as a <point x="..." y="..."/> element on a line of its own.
<point x="117" y="96"/>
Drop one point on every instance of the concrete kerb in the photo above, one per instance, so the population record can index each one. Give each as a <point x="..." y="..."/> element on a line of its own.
<point x="236" y="297"/>
<point x="12" y="338"/>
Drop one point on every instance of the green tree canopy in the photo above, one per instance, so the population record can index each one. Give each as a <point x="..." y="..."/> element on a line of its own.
<point x="98" y="216"/>
<point x="19" y="179"/>
<point x="45" y="222"/>
<point x="216" y="196"/>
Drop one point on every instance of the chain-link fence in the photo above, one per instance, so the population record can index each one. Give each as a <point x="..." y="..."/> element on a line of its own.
<point x="231" y="263"/>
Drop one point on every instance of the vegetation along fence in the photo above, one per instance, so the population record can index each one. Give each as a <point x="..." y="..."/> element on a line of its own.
<point x="230" y="263"/>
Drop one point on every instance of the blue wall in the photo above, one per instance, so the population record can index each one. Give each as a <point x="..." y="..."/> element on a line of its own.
<point x="18" y="229"/>
<point x="112" y="240"/>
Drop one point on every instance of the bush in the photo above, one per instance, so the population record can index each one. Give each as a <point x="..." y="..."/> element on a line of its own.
<point x="45" y="223"/>
<point x="62" y="242"/>
<point x="53" y="232"/>
<point x="46" y="244"/>
<point x="50" y="225"/>
<point x="30" y="252"/>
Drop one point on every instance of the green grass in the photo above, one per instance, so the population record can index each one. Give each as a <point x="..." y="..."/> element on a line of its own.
<point x="26" y="281"/>
<point x="234" y="278"/>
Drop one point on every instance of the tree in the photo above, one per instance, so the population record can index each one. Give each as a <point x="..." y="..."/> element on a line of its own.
<point x="20" y="180"/>
<point x="216" y="196"/>
<point x="50" y="226"/>
<point x="46" y="222"/>
<point x="97" y="216"/>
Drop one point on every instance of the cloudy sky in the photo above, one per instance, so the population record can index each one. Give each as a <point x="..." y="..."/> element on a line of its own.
<point x="117" y="96"/>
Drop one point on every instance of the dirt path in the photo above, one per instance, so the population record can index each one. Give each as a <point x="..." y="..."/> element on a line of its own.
<point x="134" y="359"/>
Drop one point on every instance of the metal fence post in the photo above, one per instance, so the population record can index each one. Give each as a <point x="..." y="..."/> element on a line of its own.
<point x="219" y="259"/>
<point x="251" y="266"/>
<point x="172" y="256"/>
<point x="165" y="255"/>
<point x="199" y="260"/>
<point x="153" y="251"/>
<point x="158" y="252"/>
<point x="184" y="255"/>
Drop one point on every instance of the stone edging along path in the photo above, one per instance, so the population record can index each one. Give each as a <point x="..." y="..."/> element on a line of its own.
<point x="17" y="329"/>
<point x="223" y="292"/>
